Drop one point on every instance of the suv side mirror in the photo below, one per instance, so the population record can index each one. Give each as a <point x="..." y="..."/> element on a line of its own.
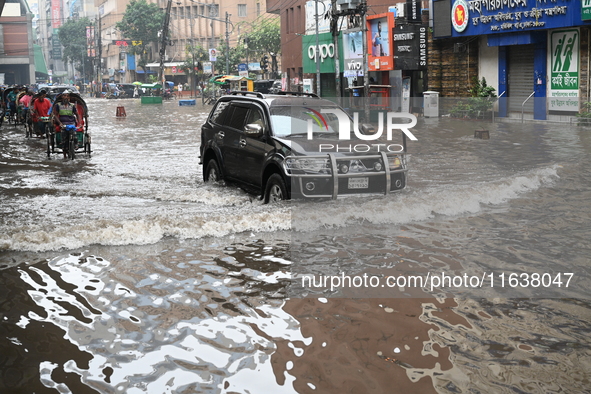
<point x="253" y="130"/>
<point x="367" y="128"/>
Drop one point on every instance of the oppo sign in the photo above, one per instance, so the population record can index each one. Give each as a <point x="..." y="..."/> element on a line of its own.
<point x="326" y="50"/>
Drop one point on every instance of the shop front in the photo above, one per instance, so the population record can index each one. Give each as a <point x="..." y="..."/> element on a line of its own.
<point x="532" y="51"/>
<point x="322" y="60"/>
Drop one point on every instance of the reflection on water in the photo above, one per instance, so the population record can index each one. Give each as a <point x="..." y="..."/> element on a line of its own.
<point x="191" y="318"/>
<point x="123" y="272"/>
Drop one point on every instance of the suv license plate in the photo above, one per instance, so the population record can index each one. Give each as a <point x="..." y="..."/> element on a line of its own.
<point x="358" y="183"/>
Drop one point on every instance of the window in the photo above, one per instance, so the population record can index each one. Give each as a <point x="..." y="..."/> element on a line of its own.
<point x="181" y="11"/>
<point x="220" y="112"/>
<point x="242" y="10"/>
<point x="201" y="10"/>
<point x="214" y="10"/>
<point x="258" y="9"/>
<point x="236" y="121"/>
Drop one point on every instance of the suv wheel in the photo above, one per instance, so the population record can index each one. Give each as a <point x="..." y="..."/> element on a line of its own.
<point x="275" y="189"/>
<point x="212" y="172"/>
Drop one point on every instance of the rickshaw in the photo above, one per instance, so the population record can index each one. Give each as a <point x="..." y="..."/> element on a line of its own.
<point x="10" y="116"/>
<point x="79" y="139"/>
<point x="23" y="116"/>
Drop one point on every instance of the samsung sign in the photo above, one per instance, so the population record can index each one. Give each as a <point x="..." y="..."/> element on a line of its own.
<point x="481" y="17"/>
<point x="410" y="47"/>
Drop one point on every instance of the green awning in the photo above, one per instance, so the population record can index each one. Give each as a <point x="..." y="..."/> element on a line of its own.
<point x="40" y="65"/>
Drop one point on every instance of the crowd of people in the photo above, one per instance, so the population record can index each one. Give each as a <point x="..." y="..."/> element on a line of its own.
<point x="41" y="115"/>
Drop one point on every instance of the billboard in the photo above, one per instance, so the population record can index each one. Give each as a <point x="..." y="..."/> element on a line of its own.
<point x="379" y="41"/>
<point x="564" y="78"/>
<point x="410" y="47"/>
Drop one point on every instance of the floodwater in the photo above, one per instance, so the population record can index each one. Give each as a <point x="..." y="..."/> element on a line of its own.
<point x="123" y="273"/>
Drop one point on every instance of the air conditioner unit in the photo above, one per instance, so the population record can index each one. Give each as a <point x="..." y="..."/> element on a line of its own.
<point x="400" y="10"/>
<point x="347" y="4"/>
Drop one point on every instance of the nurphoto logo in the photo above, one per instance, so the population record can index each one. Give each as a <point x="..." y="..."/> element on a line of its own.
<point x="344" y="124"/>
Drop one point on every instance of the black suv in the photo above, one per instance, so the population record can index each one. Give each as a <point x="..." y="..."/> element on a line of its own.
<point x="286" y="146"/>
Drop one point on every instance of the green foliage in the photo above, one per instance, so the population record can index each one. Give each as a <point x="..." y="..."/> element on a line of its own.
<point x="236" y="56"/>
<point x="72" y="36"/>
<point x="261" y="38"/>
<point x="193" y="56"/>
<point x="482" y="97"/>
<point x="141" y="22"/>
<point x="585" y="114"/>
<point x="481" y="89"/>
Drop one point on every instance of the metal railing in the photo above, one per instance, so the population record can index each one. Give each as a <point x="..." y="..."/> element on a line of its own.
<point x="493" y="110"/>
<point x="523" y="104"/>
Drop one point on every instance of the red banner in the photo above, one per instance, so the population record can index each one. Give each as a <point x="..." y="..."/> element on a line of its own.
<point x="56" y="19"/>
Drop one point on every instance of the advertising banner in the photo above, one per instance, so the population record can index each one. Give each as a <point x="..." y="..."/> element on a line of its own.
<point x="353" y="54"/>
<point x="243" y="70"/>
<point x="56" y="47"/>
<point x="311" y="21"/>
<point x="410" y="47"/>
<point x="413" y="11"/>
<point x="379" y="29"/>
<point x="56" y="19"/>
<point x="564" y="76"/>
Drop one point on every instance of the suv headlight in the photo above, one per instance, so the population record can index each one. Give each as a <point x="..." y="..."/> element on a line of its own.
<point x="394" y="162"/>
<point x="311" y="165"/>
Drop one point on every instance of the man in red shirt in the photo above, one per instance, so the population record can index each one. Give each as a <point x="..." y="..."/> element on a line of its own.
<point x="41" y="107"/>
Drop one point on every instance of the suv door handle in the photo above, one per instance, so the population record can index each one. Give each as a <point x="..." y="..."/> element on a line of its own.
<point x="242" y="142"/>
<point x="221" y="134"/>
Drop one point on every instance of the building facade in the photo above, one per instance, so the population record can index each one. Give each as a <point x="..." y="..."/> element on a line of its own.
<point x="17" y="60"/>
<point x="191" y="23"/>
<point x="396" y="45"/>
<point x="536" y="54"/>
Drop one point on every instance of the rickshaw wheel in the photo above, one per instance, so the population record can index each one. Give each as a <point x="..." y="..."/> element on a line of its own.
<point x="72" y="148"/>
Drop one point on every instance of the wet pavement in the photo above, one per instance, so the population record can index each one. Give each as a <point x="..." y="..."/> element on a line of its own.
<point x="124" y="272"/>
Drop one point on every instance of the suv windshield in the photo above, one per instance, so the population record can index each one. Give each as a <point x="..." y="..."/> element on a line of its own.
<point x="289" y="121"/>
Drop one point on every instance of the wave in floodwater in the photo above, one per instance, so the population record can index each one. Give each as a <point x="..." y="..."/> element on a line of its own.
<point x="414" y="206"/>
<point x="146" y="225"/>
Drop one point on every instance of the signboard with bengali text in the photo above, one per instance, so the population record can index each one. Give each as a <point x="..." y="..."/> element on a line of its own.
<point x="564" y="67"/>
<point x="482" y="17"/>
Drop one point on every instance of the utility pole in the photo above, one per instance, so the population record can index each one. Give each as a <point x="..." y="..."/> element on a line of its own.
<point x="164" y="41"/>
<point x="227" y="44"/>
<point x="317" y="56"/>
<point x="365" y="60"/>
<point x="334" y="28"/>
<point x="99" y="78"/>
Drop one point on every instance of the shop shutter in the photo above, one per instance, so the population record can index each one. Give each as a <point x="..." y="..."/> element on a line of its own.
<point x="521" y="77"/>
<point x="328" y="85"/>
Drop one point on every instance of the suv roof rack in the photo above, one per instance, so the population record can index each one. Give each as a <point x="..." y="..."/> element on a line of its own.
<point x="297" y="94"/>
<point x="244" y="93"/>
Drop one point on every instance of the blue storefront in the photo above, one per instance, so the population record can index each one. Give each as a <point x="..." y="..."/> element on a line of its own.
<point x="536" y="46"/>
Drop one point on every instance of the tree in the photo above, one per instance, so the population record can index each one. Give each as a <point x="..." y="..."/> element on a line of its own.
<point x="72" y="36"/>
<point x="263" y="38"/>
<point x="195" y="56"/>
<point x="236" y="56"/>
<point x="141" y="22"/>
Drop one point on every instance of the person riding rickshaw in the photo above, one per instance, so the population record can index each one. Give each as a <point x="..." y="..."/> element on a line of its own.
<point x="70" y="121"/>
<point x="40" y="111"/>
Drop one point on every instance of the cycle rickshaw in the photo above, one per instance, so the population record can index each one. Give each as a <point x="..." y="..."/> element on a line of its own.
<point x="6" y="110"/>
<point x="79" y="139"/>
